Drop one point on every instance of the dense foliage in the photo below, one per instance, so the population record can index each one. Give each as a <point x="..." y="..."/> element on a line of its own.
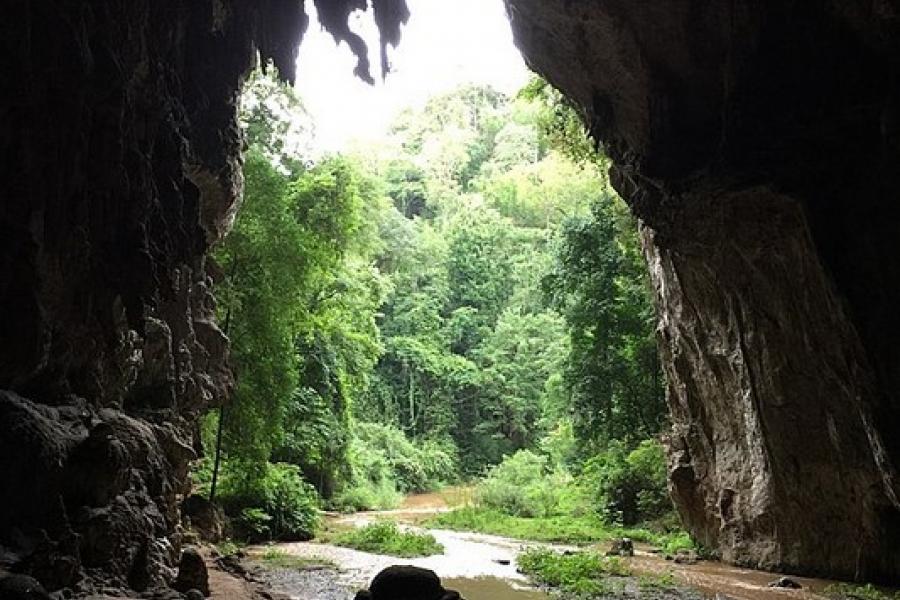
<point x="465" y="299"/>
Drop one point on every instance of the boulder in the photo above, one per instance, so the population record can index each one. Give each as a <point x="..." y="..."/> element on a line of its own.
<point x="192" y="573"/>
<point x="22" y="587"/>
<point x="207" y="519"/>
<point x="785" y="582"/>
<point x="405" y="582"/>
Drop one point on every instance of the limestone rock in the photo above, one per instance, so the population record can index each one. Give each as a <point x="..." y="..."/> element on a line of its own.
<point x="767" y="200"/>
<point x="206" y="518"/>
<point x="192" y="573"/>
<point x="22" y="587"/>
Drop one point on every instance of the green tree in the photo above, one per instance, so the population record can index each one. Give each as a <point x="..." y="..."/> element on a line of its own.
<point x="599" y="283"/>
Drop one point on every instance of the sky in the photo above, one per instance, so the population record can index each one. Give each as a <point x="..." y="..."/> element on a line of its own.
<point x="446" y="43"/>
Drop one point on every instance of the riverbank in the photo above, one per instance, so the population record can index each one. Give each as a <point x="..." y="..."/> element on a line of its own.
<point x="484" y="566"/>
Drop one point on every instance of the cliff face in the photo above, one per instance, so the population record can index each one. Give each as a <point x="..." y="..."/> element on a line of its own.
<point x="120" y="166"/>
<point x="759" y="144"/>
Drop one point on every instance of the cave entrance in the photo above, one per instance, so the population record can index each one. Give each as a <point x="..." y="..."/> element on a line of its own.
<point x="435" y="297"/>
<point x="757" y="142"/>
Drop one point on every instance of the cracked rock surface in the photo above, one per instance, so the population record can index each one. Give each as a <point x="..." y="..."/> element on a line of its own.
<point x="758" y="143"/>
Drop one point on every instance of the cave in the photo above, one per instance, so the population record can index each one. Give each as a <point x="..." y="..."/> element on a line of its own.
<point x="758" y="144"/>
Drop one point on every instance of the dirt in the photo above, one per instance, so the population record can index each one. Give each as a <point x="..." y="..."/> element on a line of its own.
<point x="714" y="578"/>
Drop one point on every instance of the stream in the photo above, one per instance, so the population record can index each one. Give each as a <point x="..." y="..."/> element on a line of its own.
<point x="482" y="566"/>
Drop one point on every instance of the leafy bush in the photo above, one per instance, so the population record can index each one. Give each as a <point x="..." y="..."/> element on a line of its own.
<point x="631" y="486"/>
<point x="367" y="495"/>
<point x="417" y="467"/>
<point x="385" y="464"/>
<point x="276" y="504"/>
<point x="673" y="542"/>
<point x="254" y="524"/>
<point x="849" y="591"/>
<point x="522" y="485"/>
<point x="384" y="537"/>
<point x="578" y="573"/>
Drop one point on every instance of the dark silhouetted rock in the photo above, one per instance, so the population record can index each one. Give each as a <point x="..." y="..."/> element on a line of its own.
<point x="404" y="582"/>
<point x="785" y="582"/>
<point x="22" y="587"/>
<point x="192" y="573"/>
<point x="194" y="595"/>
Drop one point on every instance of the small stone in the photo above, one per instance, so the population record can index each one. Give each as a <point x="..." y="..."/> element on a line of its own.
<point x="501" y="561"/>
<point x="686" y="557"/>
<point x="621" y="547"/>
<point x="194" y="595"/>
<point x="785" y="582"/>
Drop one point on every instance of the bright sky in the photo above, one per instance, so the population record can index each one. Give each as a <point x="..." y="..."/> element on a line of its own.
<point x="445" y="44"/>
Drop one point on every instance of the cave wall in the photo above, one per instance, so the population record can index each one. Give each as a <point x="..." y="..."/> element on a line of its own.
<point x="119" y="167"/>
<point x="759" y="144"/>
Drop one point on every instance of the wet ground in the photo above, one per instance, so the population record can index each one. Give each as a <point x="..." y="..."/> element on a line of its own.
<point x="483" y="566"/>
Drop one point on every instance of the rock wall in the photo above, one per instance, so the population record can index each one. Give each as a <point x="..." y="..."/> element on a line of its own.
<point x="759" y="143"/>
<point x="119" y="166"/>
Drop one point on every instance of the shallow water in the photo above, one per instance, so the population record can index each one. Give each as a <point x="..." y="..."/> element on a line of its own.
<point x="493" y="588"/>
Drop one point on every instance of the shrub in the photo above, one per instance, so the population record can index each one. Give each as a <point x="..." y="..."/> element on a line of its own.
<point x="849" y="591"/>
<point x="276" y="504"/>
<point x="253" y="524"/>
<point x="577" y="573"/>
<point x="371" y="484"/>
<point x="631" y="486"/>
<point x="384" y="537"/>
<point x="522" y="485"/>
<point x="367" y="495"/>
<point x="385" y="464"/>
<point x="417" y="467"/>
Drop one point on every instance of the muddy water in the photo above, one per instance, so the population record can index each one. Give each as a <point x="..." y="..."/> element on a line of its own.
<point x="493" y="588"/>
<point x="466" y="555"/>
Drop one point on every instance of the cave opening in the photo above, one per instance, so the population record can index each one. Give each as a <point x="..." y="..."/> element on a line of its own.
<point x="756" y="145"/>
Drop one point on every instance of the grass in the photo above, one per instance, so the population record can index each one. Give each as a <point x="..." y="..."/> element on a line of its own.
<point x="228" y="547"/>
<point x="279" y="559"/>
<point x="664" y="581"/>
<point x="567" y="529"/>
<point x="385" y="537"/>
<point x="843" y="591"/>
<point x="579" y="573"/>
